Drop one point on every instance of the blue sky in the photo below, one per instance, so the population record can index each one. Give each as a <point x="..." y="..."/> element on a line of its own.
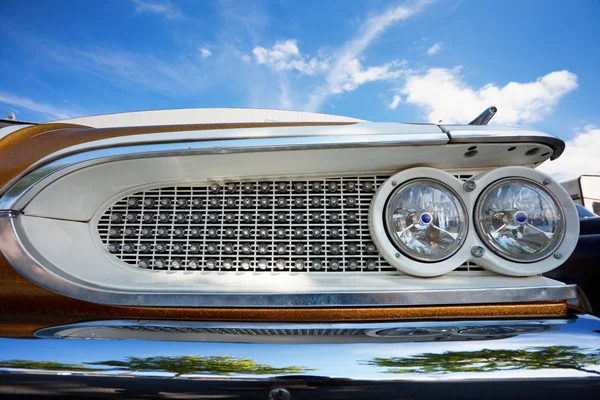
<point x="378" y="60"/>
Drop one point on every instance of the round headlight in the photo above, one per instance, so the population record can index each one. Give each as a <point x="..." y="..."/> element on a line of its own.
<point x="426" y="220"/>
<point x="519" y="220"/>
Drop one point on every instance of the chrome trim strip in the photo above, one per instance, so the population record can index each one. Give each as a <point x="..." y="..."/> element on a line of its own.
<point x="356" y="129"/>
<point x="32" y="267"/>
<point x="455" y="359"/>
<point x="484" y="134"/>
<point x="44" y="333"/>
<point x="25" y="186"/>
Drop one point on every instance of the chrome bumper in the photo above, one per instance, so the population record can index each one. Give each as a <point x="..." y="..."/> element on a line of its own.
<point x="161" y="359"/>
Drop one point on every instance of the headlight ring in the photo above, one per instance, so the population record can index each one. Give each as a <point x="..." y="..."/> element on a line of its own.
<point x="530" y="233"/>
<point x="519" y="219"/>
<point x="423" y="239"/>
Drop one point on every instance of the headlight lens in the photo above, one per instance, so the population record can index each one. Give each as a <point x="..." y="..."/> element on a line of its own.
<point x="426" y="220"/>
<point x="520" y="220"/>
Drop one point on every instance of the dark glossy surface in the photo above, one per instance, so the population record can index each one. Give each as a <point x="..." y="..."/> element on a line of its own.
<point x="583" y="267"/>
<point x="88" y="387"/>
<point x="552" y="358"/>
<point x="589" y="226"/>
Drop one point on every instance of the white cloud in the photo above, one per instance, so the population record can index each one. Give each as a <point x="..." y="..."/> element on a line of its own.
<point x="354" y="75"/>
<point x="205" y="53"/>
<point x="164" y="9"/>
<point x="434" y="49"/>
<point x="343" y="67"/>
<point x="24" y="102"/>
<point x="579" y="158"/>
<point x="368" y="32"/>
<point x="286" y="56"/>
<point x="445" y="96"/>
<point x="246" y="58"/>
<point x="395" y="101"/>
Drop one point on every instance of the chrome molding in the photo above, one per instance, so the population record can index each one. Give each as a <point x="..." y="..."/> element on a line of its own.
<point x="31" y="266"/>
<point x="17" y="193"/>
<point x="457" y="359"/>
<point x="21" y="189"/>
<point x="483" y="134"/>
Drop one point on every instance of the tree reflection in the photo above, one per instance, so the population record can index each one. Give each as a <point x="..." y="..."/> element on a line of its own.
<point x="213" y="365"/>
<point x="43" y="365"/>
<point x="533" y="358"/>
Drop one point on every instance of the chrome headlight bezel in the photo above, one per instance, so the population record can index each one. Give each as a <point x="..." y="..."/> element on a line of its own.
<point x="493" y="260"/>
<point x="471" y="250"/>
<point x="378" y="224"/>
<point x="493" y="245"/>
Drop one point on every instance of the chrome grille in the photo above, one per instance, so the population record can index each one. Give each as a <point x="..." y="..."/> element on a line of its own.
<point x="262" y="226"/>
<point x="299" y="225"/>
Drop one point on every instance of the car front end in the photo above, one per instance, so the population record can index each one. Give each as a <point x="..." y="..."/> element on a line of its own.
<point x="316" y="256"/>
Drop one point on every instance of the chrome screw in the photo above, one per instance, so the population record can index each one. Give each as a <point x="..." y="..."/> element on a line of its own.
<point x="394" y="183"/>
<point x="397" y="255"/>
<point x="469" y="186"/>
<point x="546" y="182"/>
<point x="477" y="251"/>
<point x="556" y="255"/>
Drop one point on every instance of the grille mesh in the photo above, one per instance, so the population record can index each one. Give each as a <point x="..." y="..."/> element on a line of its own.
<point x="263" y="226"/>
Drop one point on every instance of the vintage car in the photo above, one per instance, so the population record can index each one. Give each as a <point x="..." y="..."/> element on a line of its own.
<point x="236" y="253"/>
